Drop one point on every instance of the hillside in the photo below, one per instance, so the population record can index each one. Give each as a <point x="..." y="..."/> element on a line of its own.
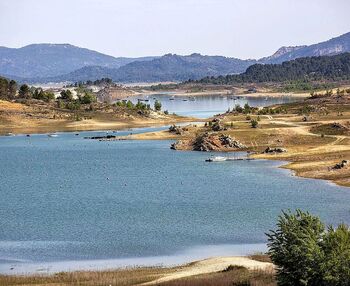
<point x="45" y="60"/>
<point x="166" y="68"/>
<point x="329" y="68"/>
<point x="41" y="63"/>
<point x="333" y="46"/>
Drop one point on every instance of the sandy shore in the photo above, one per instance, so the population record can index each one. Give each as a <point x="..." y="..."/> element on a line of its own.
<point x="143" y="275"/>
<point x="212" y="265"/>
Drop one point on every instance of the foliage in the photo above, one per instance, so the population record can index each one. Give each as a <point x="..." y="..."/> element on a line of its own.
<point x="88" y="98"/>
<point x="8" y="88"/>
<point x="157" y="105"/>
<point x="40" y="94"/>
<point x="24" y="91"/>
<point x="254" y="123"/>
<point x="306" y="254"/>
<point x="66" y="95"/>
<point x="301" y="71"/>
<point x="73" y="105"/>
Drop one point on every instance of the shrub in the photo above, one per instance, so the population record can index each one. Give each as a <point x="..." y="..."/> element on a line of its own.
<point x="254" y="123"/>
<point x="157" y="105"/>
<point x="306" y="254"/>
<point x="88" y="98"/>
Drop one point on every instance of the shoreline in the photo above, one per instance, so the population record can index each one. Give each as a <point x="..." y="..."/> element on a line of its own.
<point x="179" y="258"/>
<point x="183" y="93"/>
<point x="151" y="275"/>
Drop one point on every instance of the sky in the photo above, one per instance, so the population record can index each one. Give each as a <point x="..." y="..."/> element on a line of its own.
<point x="133" y="28"/>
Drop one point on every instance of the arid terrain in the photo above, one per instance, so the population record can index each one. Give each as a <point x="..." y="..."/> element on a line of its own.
<point x="213" y="271"/>
<point x="315" y="134"/>
<point x="36" y="116"/>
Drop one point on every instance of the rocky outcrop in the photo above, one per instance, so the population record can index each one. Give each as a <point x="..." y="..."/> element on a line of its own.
<point x="269" y="150"/>
<point x="177" y="129"/>
<point x="227" y="141"/>
<point x="209" y="142"/>
<point x="341" y="165"/>
<point x="216" y="125"/>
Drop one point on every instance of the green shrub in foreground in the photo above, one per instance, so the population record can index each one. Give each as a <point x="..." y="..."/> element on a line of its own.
<point x="306" y="254"/>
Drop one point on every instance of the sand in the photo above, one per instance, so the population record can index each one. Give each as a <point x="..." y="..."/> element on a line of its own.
<point x="211" y="265"/>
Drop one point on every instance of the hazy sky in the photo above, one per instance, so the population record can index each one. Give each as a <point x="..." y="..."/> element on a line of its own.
<point x="236" y="28"/>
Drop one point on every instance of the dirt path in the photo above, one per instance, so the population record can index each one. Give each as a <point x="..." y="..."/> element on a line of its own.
<point x="212" y="265"/>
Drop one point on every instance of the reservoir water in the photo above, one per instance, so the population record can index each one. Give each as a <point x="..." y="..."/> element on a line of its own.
<point x="68" y="203"/>
<point x="206" y="106"/>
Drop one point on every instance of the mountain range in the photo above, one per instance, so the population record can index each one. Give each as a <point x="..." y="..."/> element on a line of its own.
<point x="64" y="62"/>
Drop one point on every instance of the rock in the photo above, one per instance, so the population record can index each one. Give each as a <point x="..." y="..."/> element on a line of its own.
<point x="227" y="141"/>
<point x="274" y="150"/>
<point x="173" y="146"/>
<point x="341" y="165"/>
<point x="177" y="129"/>
<point x="101" y="137"/>
<point x="211" y="142"/>
<point x="204" y="143"/>
<point x="218" y="127"/>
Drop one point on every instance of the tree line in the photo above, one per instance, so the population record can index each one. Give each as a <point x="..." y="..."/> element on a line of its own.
<point x="330" y="68"/>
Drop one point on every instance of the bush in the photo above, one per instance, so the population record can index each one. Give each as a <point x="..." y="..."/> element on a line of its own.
<point x="305" y="254"/>
<point x="254" y="123"/>
<point x="88" y="98"/>
<point x="157" y="105"/>
<point x="66" y="95"/>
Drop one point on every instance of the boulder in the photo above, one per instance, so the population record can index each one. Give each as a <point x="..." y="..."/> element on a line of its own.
<point x="275" y="150"/>
<point x="341" y="165"/>
<point x="229" y="142"/>
<point x="177" y="129"/>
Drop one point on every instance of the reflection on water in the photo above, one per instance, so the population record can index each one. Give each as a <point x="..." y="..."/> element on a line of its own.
<point x="206" y="106"/>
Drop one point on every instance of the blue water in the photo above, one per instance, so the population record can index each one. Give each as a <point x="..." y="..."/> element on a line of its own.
<point x="69" y="198"/>
<point x="207" y="106"/>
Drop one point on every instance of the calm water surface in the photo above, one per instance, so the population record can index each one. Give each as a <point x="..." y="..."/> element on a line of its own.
<point x="206" y="106"/>
<point x="69" y="199"/>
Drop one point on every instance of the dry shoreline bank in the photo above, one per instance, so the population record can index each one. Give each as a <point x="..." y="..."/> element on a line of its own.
<point x="37" y="117"/>
<point x="316" y="143"/>
<point x="147" y="275"/>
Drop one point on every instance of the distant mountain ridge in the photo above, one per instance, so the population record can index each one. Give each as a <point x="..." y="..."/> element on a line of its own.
<point x="331" y="47"/>
<point x="168" y="67"/>
<point x="41" y="63"/>
<point x="46" y="60"/>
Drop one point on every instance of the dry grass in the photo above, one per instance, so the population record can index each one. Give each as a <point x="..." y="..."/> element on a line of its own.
<point x="233" y="275"/>
<point x="115" y="278"/>
<point x="236" y="276"/>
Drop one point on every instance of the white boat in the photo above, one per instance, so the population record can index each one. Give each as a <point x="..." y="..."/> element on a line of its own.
<point x="52" y="135"/>
<point x="216" y="159"/>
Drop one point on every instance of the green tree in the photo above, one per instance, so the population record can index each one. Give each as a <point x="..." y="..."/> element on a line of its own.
<point x="66" y="95"/>
<point x="12" y="89"/>
<point x="24" y="91"/>
<point x="129" y="105"/>
<point x="336" y="265"/>
<point x="254" y="123"/>
<point x="4" y="84"/>
<point x="295" y="248"/>
<point x="88" y="98"/>
<point x="157" y="105"/>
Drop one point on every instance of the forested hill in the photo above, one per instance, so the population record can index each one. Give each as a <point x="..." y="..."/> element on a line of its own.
<point x="310" y="68"/>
